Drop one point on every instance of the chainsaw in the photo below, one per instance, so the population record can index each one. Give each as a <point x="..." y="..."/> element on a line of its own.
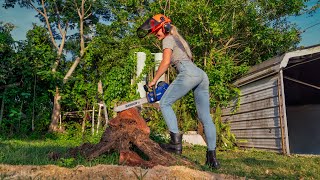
<point x="153" y="96"/>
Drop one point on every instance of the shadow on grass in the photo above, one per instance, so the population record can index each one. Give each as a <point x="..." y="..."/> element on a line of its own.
<point x="16" y="152"/>
<point x="258" y="162"/>
<point x="31" y="136"/>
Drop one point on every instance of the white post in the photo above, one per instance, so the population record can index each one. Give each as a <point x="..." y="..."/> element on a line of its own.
<point x="92" y="120"/>
<point x="99" y="114"/>
<point x="105" y="114"/>
<point x="158" y="59"/>
<point x="141" y="58"/>
<point x="60" y="121"/>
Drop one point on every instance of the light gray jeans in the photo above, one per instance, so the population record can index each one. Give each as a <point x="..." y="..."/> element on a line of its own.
<point x="190" y="77"/>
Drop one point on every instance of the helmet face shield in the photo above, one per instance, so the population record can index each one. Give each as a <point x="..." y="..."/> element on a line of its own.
<point x="149" y="26"/>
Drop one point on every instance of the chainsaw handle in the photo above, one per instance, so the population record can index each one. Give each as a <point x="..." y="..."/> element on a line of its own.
<point x="154" y="93"/>
<point x="146" y="88"/>
<point x="161" y="83"/>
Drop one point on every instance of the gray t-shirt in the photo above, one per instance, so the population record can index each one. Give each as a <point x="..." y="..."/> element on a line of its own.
<point x="178" y="51"/>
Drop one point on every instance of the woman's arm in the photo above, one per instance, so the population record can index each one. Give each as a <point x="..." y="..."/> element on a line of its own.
<point x="163" y="67"/>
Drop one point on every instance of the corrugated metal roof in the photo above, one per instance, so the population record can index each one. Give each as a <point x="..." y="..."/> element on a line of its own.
<point x="273" y="65"/>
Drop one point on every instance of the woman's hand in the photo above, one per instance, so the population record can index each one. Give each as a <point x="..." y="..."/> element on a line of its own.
<point x="151" y="84"/>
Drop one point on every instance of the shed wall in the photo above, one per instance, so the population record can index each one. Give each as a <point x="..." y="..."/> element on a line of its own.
<point x="256" y="123"/>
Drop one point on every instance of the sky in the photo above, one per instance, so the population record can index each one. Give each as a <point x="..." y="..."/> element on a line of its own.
<point x="23" y="18"/>
<point x="312" y="25"/>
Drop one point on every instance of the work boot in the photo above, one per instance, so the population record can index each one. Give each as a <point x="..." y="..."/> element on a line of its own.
<point x="211" y="159"/>
<point x="175" y="144"/>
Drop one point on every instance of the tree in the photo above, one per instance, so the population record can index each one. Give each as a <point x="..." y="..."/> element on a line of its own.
<point x="225" y="36"/>
<point x="37" y="54"/>
<point x="6" y="52"/>
<point x="58" y="16"/>
<point x="26" y="66"/>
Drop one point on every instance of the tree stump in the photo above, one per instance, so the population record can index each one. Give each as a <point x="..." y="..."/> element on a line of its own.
<point x="126" y="133"/>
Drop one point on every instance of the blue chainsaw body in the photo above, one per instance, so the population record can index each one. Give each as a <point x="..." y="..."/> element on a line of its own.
<point x="157" y="93"/>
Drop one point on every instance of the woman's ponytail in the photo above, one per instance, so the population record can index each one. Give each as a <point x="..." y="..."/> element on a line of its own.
<point x="175" y="33"/>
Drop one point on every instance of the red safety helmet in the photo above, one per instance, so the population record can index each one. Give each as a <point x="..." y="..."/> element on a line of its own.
<point x="152" y="25"/>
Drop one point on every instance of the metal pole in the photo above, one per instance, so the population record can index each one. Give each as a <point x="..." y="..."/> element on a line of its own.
<point x="92" y="128"/>
<point x="99" y="114"/>
<point x="300" y="82"/>
<point x="281" y="115"/>
<point x="285" y="122"/>
<point x="105" y="114"/>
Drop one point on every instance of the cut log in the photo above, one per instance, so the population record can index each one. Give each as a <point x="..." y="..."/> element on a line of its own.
<point x="128" y="134"/>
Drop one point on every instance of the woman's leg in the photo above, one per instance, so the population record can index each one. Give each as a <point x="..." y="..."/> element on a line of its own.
<point x="177" y="89"/>
<point x="201" y="96"/>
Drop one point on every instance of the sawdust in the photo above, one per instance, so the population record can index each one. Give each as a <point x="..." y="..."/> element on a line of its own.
<point x="106" y="172"/>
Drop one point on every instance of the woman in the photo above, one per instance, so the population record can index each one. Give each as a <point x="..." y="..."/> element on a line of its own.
<point x="176" y="51"/>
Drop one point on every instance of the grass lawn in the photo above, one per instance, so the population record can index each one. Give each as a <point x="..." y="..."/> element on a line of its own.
<point x="261" y="164"/>
<point x="245" y="163"/>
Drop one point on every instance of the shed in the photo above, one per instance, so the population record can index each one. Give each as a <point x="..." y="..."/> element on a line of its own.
<point x="279" y="104"/>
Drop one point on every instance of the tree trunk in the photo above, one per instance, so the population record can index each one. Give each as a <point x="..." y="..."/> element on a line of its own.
<point x="72" y="68"/>
<point x="128" y="134"/>
<point x="20" y="116"/>
<point x="54" y="126"/>
<point x="83" y="126"/>
<point x="34" y="102"/>
<point x="2" y="106"/>
<point x="63" y="32"/>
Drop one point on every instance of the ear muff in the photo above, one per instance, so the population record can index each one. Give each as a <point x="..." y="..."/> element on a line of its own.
<point x="167" y="28"/>
<point x="166" y="25"/>
<point x="154" y="24"/>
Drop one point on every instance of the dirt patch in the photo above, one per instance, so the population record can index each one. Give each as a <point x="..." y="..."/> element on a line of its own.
<point x="106" y="172"/>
